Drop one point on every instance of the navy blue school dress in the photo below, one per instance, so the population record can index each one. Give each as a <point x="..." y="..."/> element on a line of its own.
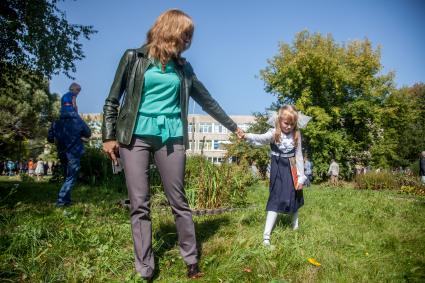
<point x="283" y="197"/>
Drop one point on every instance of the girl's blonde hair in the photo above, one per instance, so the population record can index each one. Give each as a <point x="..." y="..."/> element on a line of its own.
<point x="289" y="112"/>
<point x="169" y="36"/>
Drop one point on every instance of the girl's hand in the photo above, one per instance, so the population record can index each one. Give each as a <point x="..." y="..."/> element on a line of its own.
<point x="240" y="133"/>
<point x="299" y="187"/>
<point x="111" y="149"/>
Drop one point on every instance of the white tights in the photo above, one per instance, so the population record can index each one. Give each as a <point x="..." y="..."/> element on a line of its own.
<point x="271" y="220"/>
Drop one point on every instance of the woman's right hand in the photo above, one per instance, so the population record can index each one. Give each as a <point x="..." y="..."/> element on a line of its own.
<point x="111" y="149"/>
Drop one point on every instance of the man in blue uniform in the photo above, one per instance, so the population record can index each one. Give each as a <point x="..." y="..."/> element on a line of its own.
<point x="67" y="133"/>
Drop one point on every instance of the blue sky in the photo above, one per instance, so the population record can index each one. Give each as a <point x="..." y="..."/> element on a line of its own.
<point x="234" y="39"/>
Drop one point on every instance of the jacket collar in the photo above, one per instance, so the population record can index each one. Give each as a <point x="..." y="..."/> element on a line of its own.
<point x="143" y="51"/>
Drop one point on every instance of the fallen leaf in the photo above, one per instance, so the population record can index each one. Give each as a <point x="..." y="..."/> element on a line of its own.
<point x="247" y="269"/>
<point x="314" y="262"/>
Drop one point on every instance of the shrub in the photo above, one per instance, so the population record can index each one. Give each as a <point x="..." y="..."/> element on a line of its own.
<point x="213" y="186"/>
<point x="386" y="180"/>
<point x="206" y="185"/>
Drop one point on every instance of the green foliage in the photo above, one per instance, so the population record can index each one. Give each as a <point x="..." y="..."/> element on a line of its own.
<point x="96" y="169"/>
<point x="341" y="87"/>
<point x="210" y="186"/>
<point x="386" y="180"/>
<point x="27" y="108"/>
<point x="401" y="139"/>
<point x="36" y="35"/>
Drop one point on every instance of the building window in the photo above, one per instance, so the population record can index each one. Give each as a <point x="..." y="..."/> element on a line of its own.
<point x="205" y="127"/>
<point x="191" y="128"/>
<point x="216" y="145"/>
<point x="192" y="144"/>
<point x="206" y="145"/>
<point x="220" y="129"/>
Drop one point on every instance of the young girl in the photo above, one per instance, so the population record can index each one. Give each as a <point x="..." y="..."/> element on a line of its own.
<point x="287" y="168"/>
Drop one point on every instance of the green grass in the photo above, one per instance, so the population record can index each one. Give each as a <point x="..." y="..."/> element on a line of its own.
<point x="357" y="236"/>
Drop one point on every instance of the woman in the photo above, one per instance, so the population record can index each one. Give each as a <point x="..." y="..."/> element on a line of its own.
<point x="39" y="170"/>
<point x="157" y="83"/>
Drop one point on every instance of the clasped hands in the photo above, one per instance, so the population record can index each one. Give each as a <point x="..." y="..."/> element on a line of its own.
<point x="240" y="133"/>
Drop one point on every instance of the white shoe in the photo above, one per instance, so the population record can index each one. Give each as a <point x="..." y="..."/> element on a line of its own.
<point x="266" y="242"/>
<point x="295" y="221"/>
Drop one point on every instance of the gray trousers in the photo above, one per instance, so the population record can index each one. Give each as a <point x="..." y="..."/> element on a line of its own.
<point x="170" y="160"/>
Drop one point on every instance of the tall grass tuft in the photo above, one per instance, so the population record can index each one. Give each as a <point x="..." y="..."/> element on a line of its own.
<point x="213" y="186"/>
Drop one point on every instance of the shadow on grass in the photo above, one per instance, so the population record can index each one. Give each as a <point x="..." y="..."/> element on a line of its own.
<point x="13" y="191"/>
<point x="44" y="193"/>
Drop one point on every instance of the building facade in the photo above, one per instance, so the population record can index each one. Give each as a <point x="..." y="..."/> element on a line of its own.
<point x="206" y="135"/>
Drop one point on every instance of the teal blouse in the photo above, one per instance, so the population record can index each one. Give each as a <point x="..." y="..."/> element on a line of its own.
<point x="159" y="110"/>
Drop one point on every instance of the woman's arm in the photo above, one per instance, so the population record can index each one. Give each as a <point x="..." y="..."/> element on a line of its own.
<point x="200" y="94"/>
<point x="300" y="163"/>
<point x="112" y="102"/>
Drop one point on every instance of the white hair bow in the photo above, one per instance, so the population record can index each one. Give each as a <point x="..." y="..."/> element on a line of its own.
<point x="302" y="119"/>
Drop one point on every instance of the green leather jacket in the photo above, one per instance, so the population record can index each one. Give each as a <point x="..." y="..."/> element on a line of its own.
<point x="118" y="122"/>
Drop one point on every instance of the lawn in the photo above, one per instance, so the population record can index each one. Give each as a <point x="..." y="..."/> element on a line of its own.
<point x="356" y="236"/>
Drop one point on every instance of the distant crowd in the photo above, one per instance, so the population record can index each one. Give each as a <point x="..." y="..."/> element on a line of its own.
<point x="32" y="167"/>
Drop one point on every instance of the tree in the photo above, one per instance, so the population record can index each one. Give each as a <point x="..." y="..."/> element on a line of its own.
<point x="35" y="35"/>
<point x="403" y="128"/>
<point x="341" y="87"/>
<point x="28" y="107"/>
<point x="36" y="42"/>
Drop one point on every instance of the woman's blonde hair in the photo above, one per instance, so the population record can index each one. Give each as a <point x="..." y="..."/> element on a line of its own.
<point x="169" y="36"/>
<point x="289" y="112"/>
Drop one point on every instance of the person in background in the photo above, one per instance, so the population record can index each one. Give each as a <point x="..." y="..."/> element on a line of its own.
<point x="333" y="172"/>
<point x="10" y="168"/>
<point x="45" y="168"/>
<point x="67" y="134"/>
<point x="31" y="167"/>
<point x="308" y="171"/>
<point x="422" y="167"/>
<point x="2" y="167"/>
<point x="69" y="99"/>
<point x="39" y="169"/>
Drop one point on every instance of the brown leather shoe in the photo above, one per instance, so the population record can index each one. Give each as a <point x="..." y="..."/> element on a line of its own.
<point x="193" y="271"/>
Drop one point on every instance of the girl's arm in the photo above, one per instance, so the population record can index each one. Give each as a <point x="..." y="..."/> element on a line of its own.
<point x="260" y="139"/>
<point x="300" y="163"/>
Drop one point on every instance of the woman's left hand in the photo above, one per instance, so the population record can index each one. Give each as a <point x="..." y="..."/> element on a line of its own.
<point x="299" y="187"/>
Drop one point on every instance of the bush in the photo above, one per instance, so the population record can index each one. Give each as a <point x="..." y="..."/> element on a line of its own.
<point x="213" y="186"/>
<point x="206" y="185"/>
<point x="390" y="181"/>
<point x="96" y="169"/>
